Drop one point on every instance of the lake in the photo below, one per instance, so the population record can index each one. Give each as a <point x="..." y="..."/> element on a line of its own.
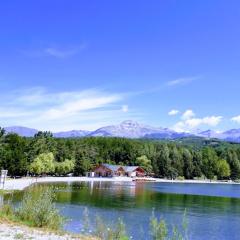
<point x="213" y="210"/>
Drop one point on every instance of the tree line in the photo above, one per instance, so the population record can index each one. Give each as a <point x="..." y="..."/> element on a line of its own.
<point x="44" y="154"/>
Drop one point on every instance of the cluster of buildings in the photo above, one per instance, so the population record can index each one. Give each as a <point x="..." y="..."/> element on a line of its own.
<point x="108" y="170"/>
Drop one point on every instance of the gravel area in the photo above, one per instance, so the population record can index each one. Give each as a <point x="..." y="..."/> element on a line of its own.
<point x="13" y="232"/>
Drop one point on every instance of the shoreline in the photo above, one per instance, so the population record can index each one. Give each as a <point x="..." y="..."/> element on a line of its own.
<point x="22" y="183"/>
<point x="12" y="231"/>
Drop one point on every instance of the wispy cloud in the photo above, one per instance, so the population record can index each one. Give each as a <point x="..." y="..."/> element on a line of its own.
<point x="181" y="81"/>
<point x="63" y="53"/>
<point x="56" y="111"/>
<point x="54" y="51"/>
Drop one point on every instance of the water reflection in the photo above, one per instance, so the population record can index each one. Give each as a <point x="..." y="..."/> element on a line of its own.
<point x="210" y="217"/>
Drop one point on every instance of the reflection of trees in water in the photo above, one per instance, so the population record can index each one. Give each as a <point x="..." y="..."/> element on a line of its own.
<point x="135" y="195"/>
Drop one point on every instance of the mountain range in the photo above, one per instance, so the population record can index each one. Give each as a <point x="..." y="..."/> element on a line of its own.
<point x="132" y="129"/>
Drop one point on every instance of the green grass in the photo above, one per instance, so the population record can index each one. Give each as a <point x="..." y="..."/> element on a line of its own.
<point x="2" y="191"/>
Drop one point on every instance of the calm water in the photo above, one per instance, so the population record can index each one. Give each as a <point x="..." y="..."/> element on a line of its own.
<point x="213" y="211"/>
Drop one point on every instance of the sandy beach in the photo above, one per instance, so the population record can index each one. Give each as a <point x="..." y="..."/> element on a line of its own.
<point x="22" y="183"/>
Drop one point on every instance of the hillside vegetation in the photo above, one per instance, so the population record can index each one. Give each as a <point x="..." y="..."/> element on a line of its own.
<point x="188" y="157"/>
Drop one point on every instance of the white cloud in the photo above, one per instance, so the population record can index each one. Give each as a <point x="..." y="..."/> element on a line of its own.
<point x="188" y="114"/>
<point x="236" y="119"/>
<point x="125" y="108"/>
<point x="181" y="81"/>
<point x="173" y="112"/>
<point x="189" y="122"/>
<point x="57" y="111"/>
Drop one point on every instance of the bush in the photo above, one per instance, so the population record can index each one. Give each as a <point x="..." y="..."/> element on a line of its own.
<point x="106" y="233"/>
<point x="7" y="210"/>
<point x="160" y="231"/>
<point x="181" y="178"/>
<point x="40" y="210"/>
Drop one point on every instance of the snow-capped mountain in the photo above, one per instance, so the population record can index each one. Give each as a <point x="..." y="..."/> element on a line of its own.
<point x="132" y="129"/>
<point x="129" y="129"/>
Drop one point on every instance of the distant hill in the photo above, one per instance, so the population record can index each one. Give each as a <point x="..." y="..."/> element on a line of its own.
<point x="71" y="134"/>
<point x="21" y="131"/>
<point x="133" y="129"/>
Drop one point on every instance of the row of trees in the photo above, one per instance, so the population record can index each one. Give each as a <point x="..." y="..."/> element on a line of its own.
<point x="44" y="154"/>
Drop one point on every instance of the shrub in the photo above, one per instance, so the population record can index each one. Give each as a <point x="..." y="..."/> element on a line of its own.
<point x="160" y="231"/>
<point x="181" y="178"/>
<point x="7" y="210"/>
<point x="40" y="210"/>
<point x="106" y="233"/>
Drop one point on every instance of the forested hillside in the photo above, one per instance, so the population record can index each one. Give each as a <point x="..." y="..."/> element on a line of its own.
<point x="187" y="157"/>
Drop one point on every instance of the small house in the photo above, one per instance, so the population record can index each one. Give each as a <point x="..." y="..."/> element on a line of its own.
<point x="134" y="171"/>
<point x="108" y="170"/>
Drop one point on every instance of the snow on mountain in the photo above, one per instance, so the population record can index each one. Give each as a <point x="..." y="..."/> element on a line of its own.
<point x="132" y="129"/>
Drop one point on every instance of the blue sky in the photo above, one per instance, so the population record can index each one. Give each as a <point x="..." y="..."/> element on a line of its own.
<point x="83" y="64"/>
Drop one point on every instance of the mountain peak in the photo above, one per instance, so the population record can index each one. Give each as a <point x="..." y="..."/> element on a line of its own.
<point x="130" y="123"/>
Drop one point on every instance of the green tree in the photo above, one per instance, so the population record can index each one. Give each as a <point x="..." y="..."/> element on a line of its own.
<point x="43" y="164"/>
<point x="223" y="169"/>
<point x="176" y="161"/>
<point x="63" y="168"/>
<point x="163" y="162"/>
<point x="43" y="142"/>
<point x="232" y="158"/>
<point x="210" y="159"/>
<point x="145" y="163"/>
<point x="84" y="160"/>
<point x="14" y="157"/>
<point x="188" y="163"/>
